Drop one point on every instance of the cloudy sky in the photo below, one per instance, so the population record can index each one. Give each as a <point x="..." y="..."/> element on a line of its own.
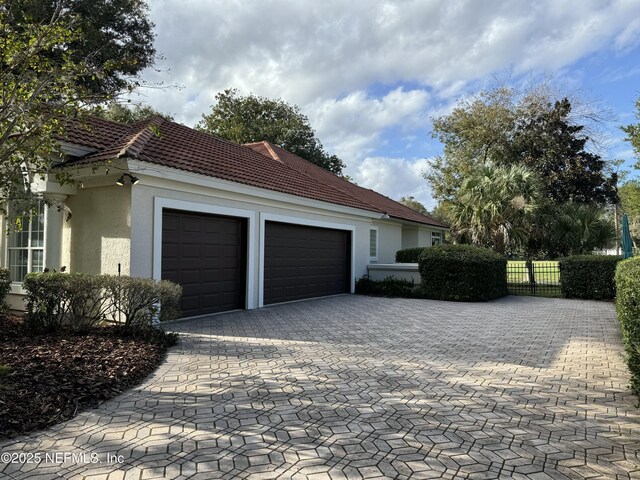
<point x="370" y="74"/>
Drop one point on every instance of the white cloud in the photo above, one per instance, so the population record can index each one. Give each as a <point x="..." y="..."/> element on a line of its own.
<point x="306" y="51"/>
<point x="393" y="177"/>
<point x="362" y="69"/>
<point x="351" y="126"/>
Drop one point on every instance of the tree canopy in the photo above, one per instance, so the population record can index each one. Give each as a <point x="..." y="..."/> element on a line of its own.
<point x="533" y="130"/>
<point x="251" y="118"/>
<point x="414" y="204"/>
<point x="48" y="73"/>
<point x="633" y="134"/>
<point x="493" y="132"/>
<point x="128" y="114"/>
<point x="116" y="37"/>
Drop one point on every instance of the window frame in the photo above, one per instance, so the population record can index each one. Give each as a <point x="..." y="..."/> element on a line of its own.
<point x="17" y="285"/>
<point x="377" y="246"/>
<point x="439" y="236"/>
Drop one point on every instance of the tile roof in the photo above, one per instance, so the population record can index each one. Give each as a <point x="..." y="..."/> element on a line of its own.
<point x="371" y="197"/>
<point x="162" y="142"/>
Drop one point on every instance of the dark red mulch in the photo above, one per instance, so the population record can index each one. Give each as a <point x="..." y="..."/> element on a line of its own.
<point x="46" y="379"/>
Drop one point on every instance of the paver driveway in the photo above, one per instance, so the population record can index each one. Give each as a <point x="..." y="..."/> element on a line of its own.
<point x="358" y="387"/>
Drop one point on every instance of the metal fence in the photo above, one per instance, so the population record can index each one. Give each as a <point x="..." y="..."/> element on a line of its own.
<point x="538" y="278"/>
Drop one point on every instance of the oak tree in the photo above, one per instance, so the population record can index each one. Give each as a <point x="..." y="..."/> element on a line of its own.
<point x="251" y="118"/>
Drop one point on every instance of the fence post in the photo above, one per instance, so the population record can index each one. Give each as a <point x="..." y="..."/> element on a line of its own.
<point x="532" y="276"/>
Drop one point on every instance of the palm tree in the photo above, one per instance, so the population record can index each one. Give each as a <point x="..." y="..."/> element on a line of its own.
<point x="495" y="206"/>
<point x="580" y="228"/>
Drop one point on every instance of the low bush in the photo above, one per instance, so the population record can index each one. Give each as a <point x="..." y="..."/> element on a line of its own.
<point x="409" y="255"/>
<point x="137" y="301"/>
<point x="47" y="301"/>
<point x="389" y="287"/>
<point x="5" y="288"/>
<point x="588" y="276"/>
<point x="462" y="273"/>
<point x="79" y="301"/>
<point x="627" y="280"/>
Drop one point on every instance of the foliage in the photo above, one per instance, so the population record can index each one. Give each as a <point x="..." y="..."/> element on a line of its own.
<point x="47" y="301"/>
<point x="633" y="134"/>
<point x="495" y="207"/>
<point x="389" y="287"/>
<point x="121" y="113"/>
<point x="476" y="131"/>
<point x="588" y="276"/>
<point x="79" y="301"/>
<point x="409" y="255"/>
<point x="629" y="196"/>
<point x="463" y="273"/>
<point x="551" y="145"/>
<point x="254" y="119"/>
<point x="504" y="127"/>
<point x="575" y="229"/>
<point x="115" y="37"/>
<point x="414" y="204"/>
<point x="137" y="301"/>
<point x="58" y="56"/>
<point x="627" y="279"/>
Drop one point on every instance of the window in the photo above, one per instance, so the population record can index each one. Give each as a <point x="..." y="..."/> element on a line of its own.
<point x="26" y="246"/>
<point x="373" y="244"/>
<point x="436" y="238"/>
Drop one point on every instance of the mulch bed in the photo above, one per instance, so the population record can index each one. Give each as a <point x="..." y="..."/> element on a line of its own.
<point x="46" y="379"/>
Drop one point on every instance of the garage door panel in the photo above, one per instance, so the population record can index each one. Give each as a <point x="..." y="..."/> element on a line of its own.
<point x="305" y="262"/>
<point x="206" y="254"/>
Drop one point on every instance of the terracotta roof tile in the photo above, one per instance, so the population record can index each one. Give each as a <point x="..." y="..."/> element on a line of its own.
<point x="162" y="142"/>
<point x="371" y="197"/>
<point x="94" y="132"/>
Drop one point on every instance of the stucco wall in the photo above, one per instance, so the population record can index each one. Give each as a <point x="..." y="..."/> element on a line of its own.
<point x="142" y="219"/>
<point x="99" y="230"/>
<point x="389" y="241"/>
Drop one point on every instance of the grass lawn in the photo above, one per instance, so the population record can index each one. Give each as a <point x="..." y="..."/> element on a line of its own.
<point x="546" y="272"/>
<point x="547" y="276"/>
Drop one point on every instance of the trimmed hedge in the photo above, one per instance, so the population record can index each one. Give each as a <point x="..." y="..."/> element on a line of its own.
<point x="409" y="255"/>
<point x="588" y="276"/>
<point x="79" y="301"/>
<point x="628" y="308"/>
<point x="389" y="287"/>
<point x="463" y="273"/>
<point x="5" y="288"/>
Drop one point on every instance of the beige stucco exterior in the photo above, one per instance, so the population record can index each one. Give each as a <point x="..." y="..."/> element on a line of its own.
<point x="120" y="225"/>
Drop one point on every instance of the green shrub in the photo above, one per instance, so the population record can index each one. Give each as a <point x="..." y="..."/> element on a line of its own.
<point x="628" y="308"/>
<point x="47" y="301"/>
<point x="79" y="301"/>
<point x="5" y="288"/>
<point x="463" y="273"/>
<point x="588" y="276"/>
<point x="137" y="301"/>
<point x="389" y="287"/>
<point x="409" y="255"/>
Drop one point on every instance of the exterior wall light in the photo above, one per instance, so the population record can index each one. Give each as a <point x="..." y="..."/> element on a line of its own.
<point x="132" y="179"/>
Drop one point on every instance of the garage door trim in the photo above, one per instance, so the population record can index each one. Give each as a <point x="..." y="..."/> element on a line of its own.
<point x="160" y="203"/>
<point x="270" y="217"/>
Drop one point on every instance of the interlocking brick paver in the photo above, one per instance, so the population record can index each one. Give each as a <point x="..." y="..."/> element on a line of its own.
<point x="359" y="387"/>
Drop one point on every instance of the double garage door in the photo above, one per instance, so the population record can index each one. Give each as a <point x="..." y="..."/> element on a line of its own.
<point x="207" y="255"/>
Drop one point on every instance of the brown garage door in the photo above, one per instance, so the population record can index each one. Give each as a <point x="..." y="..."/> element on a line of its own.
<point x="305" y="262"/>
<point x="206" y="254"/>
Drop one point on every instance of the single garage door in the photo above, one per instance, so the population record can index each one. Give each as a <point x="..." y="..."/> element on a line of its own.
<point x="206" y="254"/>
<point x="305" y="262"/>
